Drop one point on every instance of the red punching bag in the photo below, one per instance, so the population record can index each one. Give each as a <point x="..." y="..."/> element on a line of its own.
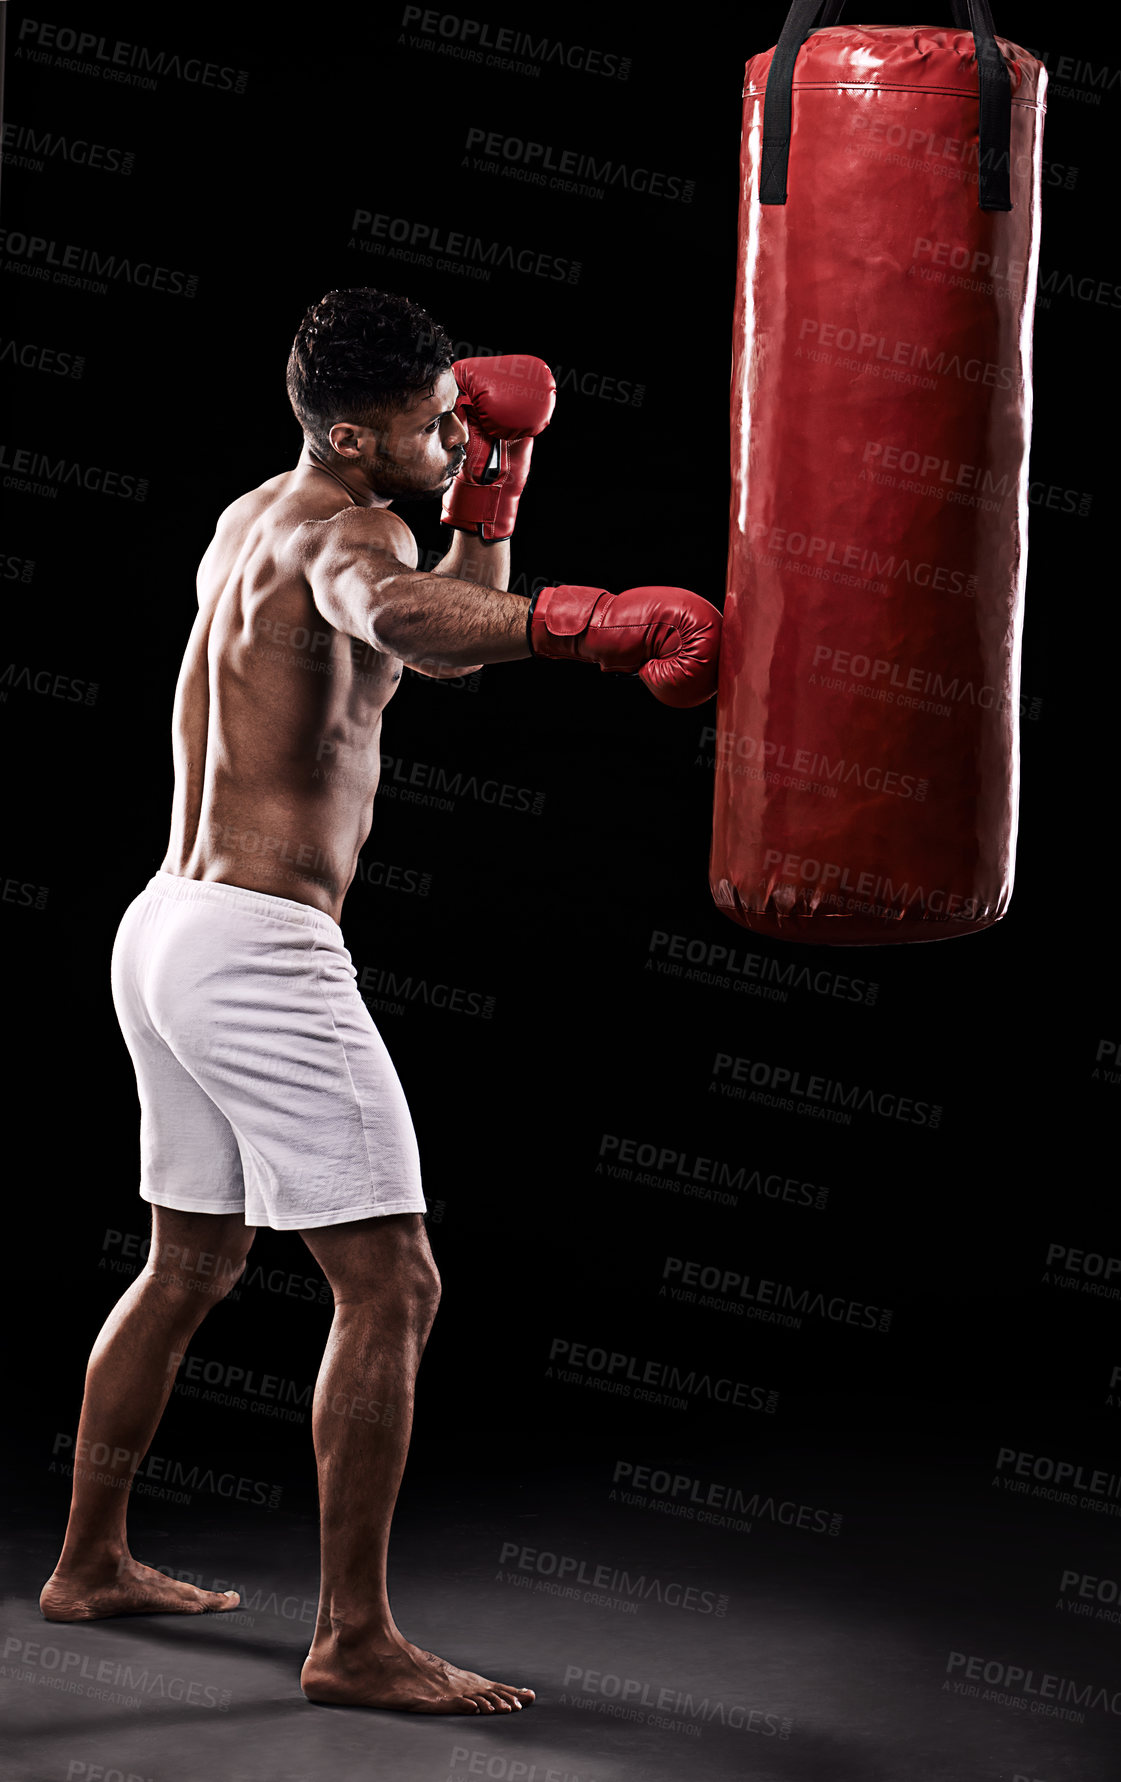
<point x="867" y="715"/>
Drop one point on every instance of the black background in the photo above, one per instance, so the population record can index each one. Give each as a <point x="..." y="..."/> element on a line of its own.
<point x="553" y="914"/>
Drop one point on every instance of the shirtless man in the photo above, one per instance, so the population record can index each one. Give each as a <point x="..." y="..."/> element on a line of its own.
<point x="267" y="1095"/>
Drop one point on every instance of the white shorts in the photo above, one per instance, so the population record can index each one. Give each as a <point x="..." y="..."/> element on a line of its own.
<point x="265" y="1088"/>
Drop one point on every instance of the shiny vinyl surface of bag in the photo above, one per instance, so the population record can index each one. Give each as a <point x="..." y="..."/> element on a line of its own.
<point x="867" y="716"/>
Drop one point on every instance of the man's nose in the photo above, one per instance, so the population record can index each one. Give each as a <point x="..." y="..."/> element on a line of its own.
<point x="456" y="435"/>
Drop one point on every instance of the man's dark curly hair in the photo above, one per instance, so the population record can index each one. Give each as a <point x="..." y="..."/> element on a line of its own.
<point x="360" y="355"/>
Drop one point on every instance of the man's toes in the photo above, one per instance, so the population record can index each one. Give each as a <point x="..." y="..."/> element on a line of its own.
<point x="205" y="1602"/>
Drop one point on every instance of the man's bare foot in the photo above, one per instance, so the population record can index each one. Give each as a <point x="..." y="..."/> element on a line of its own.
<point x="390" y="1672"/>
<point x="125" y="1587"/>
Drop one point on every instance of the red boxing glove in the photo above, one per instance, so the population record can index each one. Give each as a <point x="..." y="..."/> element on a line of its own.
<point x="672" y="637"/>
<point x="506" y="402"/>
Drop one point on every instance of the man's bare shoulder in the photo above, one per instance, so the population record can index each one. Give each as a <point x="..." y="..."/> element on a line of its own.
<point x="300" y="524"/>
<point x="260" y="513"/>
<point x="262" y="499"/>
<point x="314" y="538"/>
<point x="280" y="503"/>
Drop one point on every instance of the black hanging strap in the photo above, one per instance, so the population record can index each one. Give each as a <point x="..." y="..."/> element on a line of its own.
<point x="833" y="9"/>
<point x="995" y="98"/>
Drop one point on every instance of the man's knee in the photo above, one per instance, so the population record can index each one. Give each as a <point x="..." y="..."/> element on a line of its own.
<point x="414" y="1283"/>
<point x="426" y="1282"/>
<point x="192" y="1279"/>
<point x="383" y="1263"/>
<point x="408" y="1300"/>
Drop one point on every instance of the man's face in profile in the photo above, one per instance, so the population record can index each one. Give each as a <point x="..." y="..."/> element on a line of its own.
<point x="420" y="450"/>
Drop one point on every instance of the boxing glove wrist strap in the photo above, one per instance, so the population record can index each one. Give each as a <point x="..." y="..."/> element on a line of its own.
<point x="559" y="618"/>
<point x="471" y="504"/>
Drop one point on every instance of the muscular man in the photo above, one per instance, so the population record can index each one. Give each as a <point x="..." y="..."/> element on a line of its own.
<point x="267" y="1095"/>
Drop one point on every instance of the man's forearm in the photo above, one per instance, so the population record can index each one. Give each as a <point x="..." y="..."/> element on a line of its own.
<point x="444" y="622"/>
<point x="470" y="559"/>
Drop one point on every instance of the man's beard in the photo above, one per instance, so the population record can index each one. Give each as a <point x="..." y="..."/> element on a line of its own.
<point x="387" y="481"/>
<point x="413" y="497"/>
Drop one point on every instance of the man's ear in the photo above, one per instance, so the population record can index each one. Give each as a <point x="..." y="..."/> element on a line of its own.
<point x="346" y="439"/>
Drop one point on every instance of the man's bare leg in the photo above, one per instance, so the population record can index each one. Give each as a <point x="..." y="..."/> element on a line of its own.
<point x="194" y="1261"/>
<point x="386" y="1290"/>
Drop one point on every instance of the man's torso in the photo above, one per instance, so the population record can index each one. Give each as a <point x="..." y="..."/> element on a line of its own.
<point x="277" y="725"/>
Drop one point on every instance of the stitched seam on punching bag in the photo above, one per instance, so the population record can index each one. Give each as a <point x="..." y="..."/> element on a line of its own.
<point x="883" y="86"/>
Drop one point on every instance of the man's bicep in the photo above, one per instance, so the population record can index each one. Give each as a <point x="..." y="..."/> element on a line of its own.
<point x="349" y="565"/>
<point x="350" y="591"/>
